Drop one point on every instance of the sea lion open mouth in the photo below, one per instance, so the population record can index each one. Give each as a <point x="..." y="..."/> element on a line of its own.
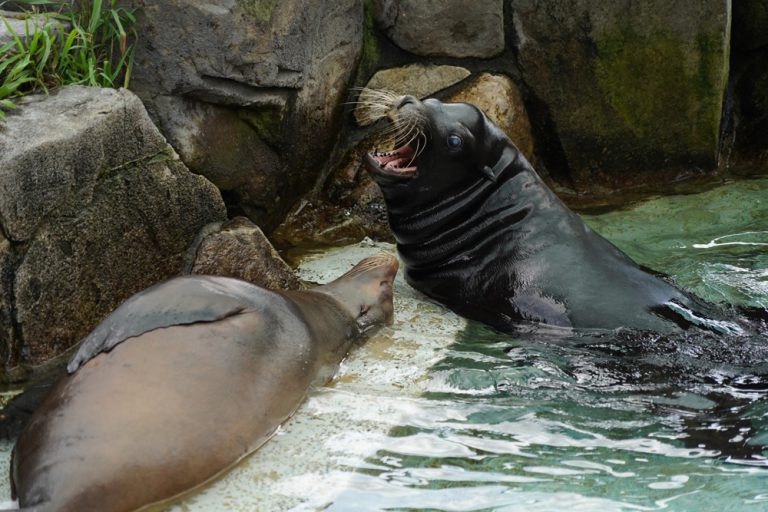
<point x="405" y="133"/>
<point x="398" y="163"/>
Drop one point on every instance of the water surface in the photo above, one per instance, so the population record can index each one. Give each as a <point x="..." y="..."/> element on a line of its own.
<point x="435" y="413"/>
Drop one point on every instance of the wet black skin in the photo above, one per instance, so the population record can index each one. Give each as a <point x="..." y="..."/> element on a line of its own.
<point x="480" y="232"/>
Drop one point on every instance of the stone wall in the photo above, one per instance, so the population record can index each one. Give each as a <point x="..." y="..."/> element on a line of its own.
<point x="603" y="96"/>
<point x="94" y="207"/>
<point x="248" y="91"/>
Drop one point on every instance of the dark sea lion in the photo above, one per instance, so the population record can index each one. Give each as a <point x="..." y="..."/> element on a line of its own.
<point x="184" y="380"/>
<point x="480" y="232"/>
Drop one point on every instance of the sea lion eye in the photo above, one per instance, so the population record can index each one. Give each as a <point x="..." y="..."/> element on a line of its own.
<point x="454" y="141"/>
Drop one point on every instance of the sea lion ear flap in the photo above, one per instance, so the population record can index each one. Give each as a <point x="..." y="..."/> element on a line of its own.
<point x="488" y="173"/>
<point x="507" y="157"/>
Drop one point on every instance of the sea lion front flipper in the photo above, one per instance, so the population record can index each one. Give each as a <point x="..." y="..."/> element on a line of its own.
<point x="180" y="301"/>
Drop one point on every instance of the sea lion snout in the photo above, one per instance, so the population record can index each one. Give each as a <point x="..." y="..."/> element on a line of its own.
<point x="376" y="282"/>
<point x="366" y="290"/>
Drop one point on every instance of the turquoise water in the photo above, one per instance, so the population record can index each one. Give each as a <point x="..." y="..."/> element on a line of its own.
<point x="599" y="421"/>
<point x="436" y="413"/>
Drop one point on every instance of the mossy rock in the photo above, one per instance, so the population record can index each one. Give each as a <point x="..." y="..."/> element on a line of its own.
<point x="631" y="87"/>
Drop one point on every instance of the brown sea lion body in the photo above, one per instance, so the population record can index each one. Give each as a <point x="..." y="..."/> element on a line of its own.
<point x="173" y="407"/>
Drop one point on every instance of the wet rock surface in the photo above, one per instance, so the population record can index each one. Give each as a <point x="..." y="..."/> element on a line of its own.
<point x="96" y="207"/>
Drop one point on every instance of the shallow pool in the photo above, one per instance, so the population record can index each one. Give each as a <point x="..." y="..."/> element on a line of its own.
<point x="435" y="413"/>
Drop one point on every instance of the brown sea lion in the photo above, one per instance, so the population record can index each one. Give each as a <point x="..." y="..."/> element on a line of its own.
<point x="184" y="380"/>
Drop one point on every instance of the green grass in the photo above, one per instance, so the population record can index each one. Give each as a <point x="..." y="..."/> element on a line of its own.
<point x="84" y="43"/>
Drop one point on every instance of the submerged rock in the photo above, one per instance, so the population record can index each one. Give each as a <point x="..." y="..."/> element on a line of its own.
<point x="96" y="206"/>
<point x="239" y="249"/>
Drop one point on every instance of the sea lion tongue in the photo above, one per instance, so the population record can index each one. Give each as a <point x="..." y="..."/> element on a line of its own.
<point x="399" y="160"/>
<point x="365" y="291"/>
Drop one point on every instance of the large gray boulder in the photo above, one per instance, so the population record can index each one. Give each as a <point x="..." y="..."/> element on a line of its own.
<point x="8" y="337"/>
<point x="255" y="86"/>
<point x="631" y="86"/>
<point x="445" y="28"/>
<point x="95" y="206"/>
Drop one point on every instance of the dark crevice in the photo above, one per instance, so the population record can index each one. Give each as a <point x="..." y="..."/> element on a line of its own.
<point x="227" y="91"/>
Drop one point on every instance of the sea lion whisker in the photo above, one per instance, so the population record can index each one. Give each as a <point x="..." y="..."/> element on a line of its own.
<point x="370" y="101"/>
<point x="401" y="128"/>
<point x="405" y="134"/>
<point x="413" y="137"/>
<point x="368" y="104"/>
<point x="388" y="132"/>
<point x="423" y="147"/>
<point x="383" y="93"/>
<point x="373" y="92"/>
<point x="415" y="153"/>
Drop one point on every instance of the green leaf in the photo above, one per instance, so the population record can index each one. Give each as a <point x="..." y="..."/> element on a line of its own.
<point x="7" y="104"/>
<point x="95" y="17"/>
<point x="43" y="61"/>
<point x="8" y="61"/>
<point x="15" y="36"/>
<point x="117" y="21"/>
<point x="7" y="47"/>
<point x="9" y="88"/>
